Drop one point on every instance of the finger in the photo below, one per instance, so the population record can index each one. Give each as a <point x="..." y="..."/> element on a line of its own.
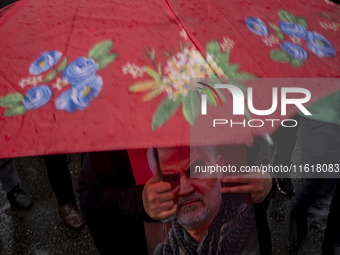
<point x="161" y="210"/>
<point x="153" y="179"/>
<point x="166" y="214"/>
<point x="161" y="187"/>
<point x="165" y="197"/>
<point x="160" y="207"/>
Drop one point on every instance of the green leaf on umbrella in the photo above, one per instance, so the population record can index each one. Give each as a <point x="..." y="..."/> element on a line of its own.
<point x="234" y="67"/>
<point x="62" y="65"/>
<point x="191" y="106"/>
<point x="11" y="100"/>
<point x="286" y="16"/>
<point x="277" y="31"/>
<point x="167" y="108"/>
<point x="105" y="61"/>
<point x="100" y="50"/>
<point x="243" y="75"/>
<point x="17" y="110"/>
<point x="213" y="47"/>
<point x="295" y="63"/>
<point x="152" y="54"/>
<point x="51" y="76"/>
<point x="160" y="70"/>
<point x="222" y="61"/>
<point x="143" y="86"/>
<point x="151" y="95"/>
<point x="247" y="113"/>
<point x="279" y="56"/>
<point x="302" y="21"/>
<point x="152" y="73"/>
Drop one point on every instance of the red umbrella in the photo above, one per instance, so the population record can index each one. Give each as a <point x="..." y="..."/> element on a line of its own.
<point x="83" y="76"/>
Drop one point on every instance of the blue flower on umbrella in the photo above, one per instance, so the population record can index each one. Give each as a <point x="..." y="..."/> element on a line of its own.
<point x="319" y="45"/>
<point x="37" y="97"/>
<point x="295" y="51"/>
<point x="45" y="62"/>
<point x="80" y="96"/>
<point x="257" y="26"/>
<point x="79" y="70"/>
<point x="293" y="29"/>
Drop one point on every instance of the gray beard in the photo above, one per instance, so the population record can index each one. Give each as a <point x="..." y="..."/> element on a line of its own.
<point x="192" y="217"/>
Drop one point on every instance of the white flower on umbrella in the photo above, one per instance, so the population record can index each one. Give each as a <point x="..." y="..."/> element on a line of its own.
<point x="271" y="40"/>
<point x="329" y="2"/>
<point x="23" y="82"/>
<point x="183" y="34"/>
<point x="213" y="64"/>
<point x="133" y="69"/>
<point x="295" y="40"/>
<point x="60" y="83"/>
<point x="227" y="44"/>
<point x="35" y="80"/>
<point x="330" y="26"/>
<point x="183" y="66"/>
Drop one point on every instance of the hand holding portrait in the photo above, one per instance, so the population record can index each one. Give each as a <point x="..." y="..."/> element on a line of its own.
<point x="158" y="199"/>
<point x="258" y="185"/>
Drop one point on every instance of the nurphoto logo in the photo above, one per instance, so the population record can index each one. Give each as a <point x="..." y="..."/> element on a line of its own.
<point x="240" y="98"/>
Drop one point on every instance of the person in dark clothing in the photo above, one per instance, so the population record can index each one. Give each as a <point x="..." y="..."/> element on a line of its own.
<point x="9" y="177"/>
<point x="4" y="3"/>
<point x="112" y="204"/>
<point x="61" y="184"/>
<point x="284" y="143"/>
<point x="320" y="147"/>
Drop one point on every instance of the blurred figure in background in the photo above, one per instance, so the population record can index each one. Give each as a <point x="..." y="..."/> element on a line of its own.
<point x="4" y="3"/>
<point x="16" y="195"/>
<point x="320" y="145"/>
<point x="284" y="143"/>
<point x="61" y="183"/>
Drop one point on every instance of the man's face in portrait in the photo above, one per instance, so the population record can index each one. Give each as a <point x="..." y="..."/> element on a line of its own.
<point x="198" y="199"/>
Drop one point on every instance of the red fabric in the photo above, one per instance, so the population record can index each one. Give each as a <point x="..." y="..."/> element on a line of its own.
<point x="118" y="118"/>
<point x="140" y="166"/>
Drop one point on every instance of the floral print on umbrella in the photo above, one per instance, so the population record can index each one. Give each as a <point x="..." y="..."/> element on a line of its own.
<point x="319" y="45"/>
<point x="80" y="96"/>
<point x="45" y="62"/>
<point x="257" y="26"/>
<point x="173" y="78"/>
<point x="296" y="28"/>
<point x="331" y="21"/>
<point x="80" y="74"/>
<point x="37" y="97"/>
